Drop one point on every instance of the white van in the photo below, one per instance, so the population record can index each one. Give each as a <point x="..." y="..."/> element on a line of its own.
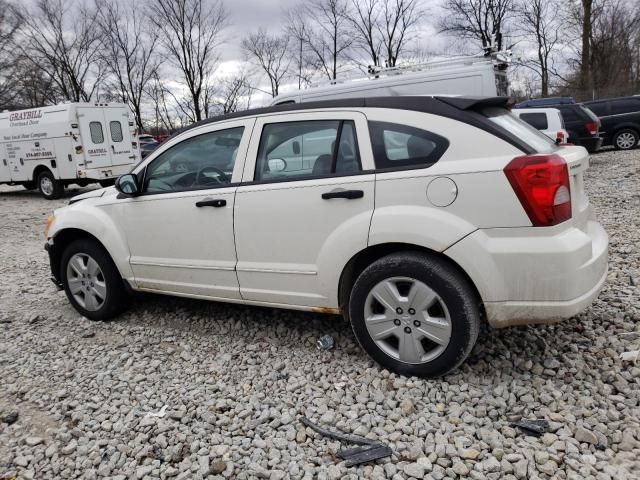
<point x="470" y="76"/>
<point x="548" y="120"/>
<point x="51" y="147"/>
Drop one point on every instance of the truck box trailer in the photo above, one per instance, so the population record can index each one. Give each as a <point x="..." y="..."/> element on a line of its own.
<point x="49" y="148"/>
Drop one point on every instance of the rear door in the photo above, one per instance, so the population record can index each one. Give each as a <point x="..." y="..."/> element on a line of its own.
<point x="304" y="207"/>
<point x="93" y="133"/>
<point x="119" y="136"/>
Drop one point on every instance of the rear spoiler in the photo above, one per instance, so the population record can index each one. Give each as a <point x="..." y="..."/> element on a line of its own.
<point x="476" y="103"/>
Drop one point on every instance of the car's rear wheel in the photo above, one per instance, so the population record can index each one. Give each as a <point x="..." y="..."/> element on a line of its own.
<point x="415" y="314"/>
<point x="91" y="280"/>
<point x="625" y="139"/>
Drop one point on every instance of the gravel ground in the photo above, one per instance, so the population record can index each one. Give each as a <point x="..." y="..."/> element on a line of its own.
<point x="236" y="379"/>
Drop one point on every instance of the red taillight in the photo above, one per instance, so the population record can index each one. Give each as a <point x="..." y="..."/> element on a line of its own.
<point x="592" y="127"/>
<point x="78" y="149"/>
<point x="560" y="137"/>
<point x="134" y="144"/>
<point x="541" y="183"/>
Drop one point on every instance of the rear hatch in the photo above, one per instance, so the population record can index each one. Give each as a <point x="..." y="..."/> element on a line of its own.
<point x="577" y="160"/>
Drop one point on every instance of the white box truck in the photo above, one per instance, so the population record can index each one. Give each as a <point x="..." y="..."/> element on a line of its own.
<point x="482" y="76"/>
<point x="49" y="148"/>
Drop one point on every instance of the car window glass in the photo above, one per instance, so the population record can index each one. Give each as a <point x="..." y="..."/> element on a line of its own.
<point x="508" y="121"/>
<point x="397" y="146"/>
<point x="600" y="109"/>
<point x="205" y="161"/>
<point x="293" y="150"/>
<point x="536" y="120"/>
<point x="570" y="114"/>
<point x="116" y="131"/>
<point x="624" y="106"/>
<point x="95" y="128"/>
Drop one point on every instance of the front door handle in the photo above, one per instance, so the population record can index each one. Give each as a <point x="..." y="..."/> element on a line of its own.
<point x="209" y="202"/>
<point x="348" y="194"/>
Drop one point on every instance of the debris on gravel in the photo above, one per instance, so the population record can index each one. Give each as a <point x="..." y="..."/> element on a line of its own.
<point x="237" y="379"/>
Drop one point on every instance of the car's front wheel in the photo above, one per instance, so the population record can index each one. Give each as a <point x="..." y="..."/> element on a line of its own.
<point x="91" y="280"/>
<point x="625" y="139"/>
<point x="415" y="314"/>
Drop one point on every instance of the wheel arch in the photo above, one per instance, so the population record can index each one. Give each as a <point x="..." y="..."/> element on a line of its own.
<point x="361" y="260"/>
<point x="40" y="169"/>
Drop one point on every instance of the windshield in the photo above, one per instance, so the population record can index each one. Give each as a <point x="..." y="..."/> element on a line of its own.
<point x="525" y="132"/>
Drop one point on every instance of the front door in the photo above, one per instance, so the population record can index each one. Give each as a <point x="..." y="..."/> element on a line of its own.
<point x="94" y="137"/>
<point x="180" y="229"/>
<point x="304" y="207"/>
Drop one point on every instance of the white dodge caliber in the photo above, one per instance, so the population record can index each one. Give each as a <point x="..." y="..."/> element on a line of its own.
<point x="416" y="218"/>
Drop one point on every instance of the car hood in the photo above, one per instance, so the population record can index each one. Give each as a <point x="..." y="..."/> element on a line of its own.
<point x="93" y="194"/>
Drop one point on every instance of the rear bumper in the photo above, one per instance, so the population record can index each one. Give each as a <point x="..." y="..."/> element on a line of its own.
<point x="103" y="173"/>
<point x="592" y="144"/>
<point x="529" y="275"/>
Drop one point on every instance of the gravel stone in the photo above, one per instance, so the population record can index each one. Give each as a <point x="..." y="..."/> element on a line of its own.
<point x="236" y="379"/>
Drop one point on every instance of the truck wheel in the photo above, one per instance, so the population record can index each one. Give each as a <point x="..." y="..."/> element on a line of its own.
<point x="91" y="281"/>
<point x="625" y="139"/>
<point x="49" y="187"/>
<point x="414" y="314"/>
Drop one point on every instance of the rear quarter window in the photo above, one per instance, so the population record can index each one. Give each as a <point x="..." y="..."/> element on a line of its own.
<point x="508" y="121"/>
<point x="400" y="146"/>
<point x="628" y="105"/>
<point x="537" y="120"/>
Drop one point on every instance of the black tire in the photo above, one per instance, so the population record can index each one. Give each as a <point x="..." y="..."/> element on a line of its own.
<point x="107" y="183"/>
<point x="625" y="139"/>
<point x="116" y="299"/>
<point x="452" y="289"/>
<point x="49" y="187"/>
<point x="30" y="185"/>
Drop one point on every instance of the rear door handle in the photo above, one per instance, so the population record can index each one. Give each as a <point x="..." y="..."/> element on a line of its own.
<point x="209" y="202"/>
<point x="348" y="194"/>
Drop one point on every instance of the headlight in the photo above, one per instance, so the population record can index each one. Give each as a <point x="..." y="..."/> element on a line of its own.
<point x="47" y="225"/>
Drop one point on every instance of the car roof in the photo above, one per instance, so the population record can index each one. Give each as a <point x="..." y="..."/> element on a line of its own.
<point x="609" y="99"/>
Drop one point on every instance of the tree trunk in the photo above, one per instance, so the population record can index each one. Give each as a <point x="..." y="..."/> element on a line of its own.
<point x="585" y="57"/>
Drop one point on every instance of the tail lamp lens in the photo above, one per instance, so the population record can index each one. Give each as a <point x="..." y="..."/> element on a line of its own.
<point x="592" y="127"/>
<point x="541" y="183"/>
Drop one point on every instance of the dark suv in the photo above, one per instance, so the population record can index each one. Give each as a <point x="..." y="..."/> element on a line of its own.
<point x="620" y="118"/>
<point x="581" y="124"/>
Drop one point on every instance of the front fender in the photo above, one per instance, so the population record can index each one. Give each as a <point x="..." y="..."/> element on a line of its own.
<point x="97" y="221"/>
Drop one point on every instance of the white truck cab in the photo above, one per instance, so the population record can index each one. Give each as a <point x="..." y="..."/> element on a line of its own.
<point x="51" y="147"/>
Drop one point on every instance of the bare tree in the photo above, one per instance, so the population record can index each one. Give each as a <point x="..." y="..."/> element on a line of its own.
<point x="477" y="20"/>
<point x="399" y="19"/>
<point x="298" y="30"/>
<point x="233" y="94"/>
<point x="160" y="95"/>
<point x="271" y="53"/>
<point x="60" y="39"/>
<point x="191" y="32"/>
<point x="10" y="23"/>
<point x="540" y="24"/>
<point x="365" y="20"/>
<point x="329" y="36"/>
<point x="128" y="52"/>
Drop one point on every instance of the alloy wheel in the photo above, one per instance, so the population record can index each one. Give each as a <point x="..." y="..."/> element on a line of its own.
<point x="626" y="140"/>
<point x="86" y="282"/>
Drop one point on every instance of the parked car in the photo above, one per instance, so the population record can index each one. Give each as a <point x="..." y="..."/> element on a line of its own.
<point x="581" y="124"/>
<point x="417" y="218"/>
<point x="147" y="148"/>
<point x="620" y="119"/>
<point x="161" y="138"/>
<point x="146" y="138"/>
<point x="548" y="120"/>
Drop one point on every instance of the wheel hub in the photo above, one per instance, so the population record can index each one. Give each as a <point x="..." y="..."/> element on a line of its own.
<point x="407" y="320"/>
<point x="86" y="282"/>
<point x="46" y="185"/>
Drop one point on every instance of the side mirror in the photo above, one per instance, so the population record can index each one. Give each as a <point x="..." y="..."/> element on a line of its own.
<point x="128" y="185"/>
<point x="277" y="165"/>
<point x="296" y="147"/>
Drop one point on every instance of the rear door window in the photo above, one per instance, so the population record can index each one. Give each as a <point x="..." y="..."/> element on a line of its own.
<point x="537" y="120"/>
<point x="600" y="109"/>
<point x="625" y="106"/>
<point x="401" y="146"/>
<point x="508" y="121"/>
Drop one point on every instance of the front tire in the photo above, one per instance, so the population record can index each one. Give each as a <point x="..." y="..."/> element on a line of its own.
<point x="49" y="187"/>
<point x="625" y="139"/>
<point x="91" y="281"/>
<point x="415" y="314"/>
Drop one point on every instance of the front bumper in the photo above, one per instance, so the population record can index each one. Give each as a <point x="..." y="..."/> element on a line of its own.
<point x="53" y="264"/>
<point x="529" y="276"/>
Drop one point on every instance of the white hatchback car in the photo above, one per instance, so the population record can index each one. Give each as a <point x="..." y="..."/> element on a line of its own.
<point x="416" y="218"/>
<point x="548" y="120"/>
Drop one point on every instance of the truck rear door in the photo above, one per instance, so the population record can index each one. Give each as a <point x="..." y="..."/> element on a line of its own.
<point x="119" y="136"/>
<point x="94" y="137"/>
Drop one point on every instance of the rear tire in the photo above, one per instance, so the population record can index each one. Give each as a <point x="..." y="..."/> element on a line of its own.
<point x="415" y="314"/>
<point x="49" y="187"/>
<point x="91" y="280"/>
<point x="625" y="139"/>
